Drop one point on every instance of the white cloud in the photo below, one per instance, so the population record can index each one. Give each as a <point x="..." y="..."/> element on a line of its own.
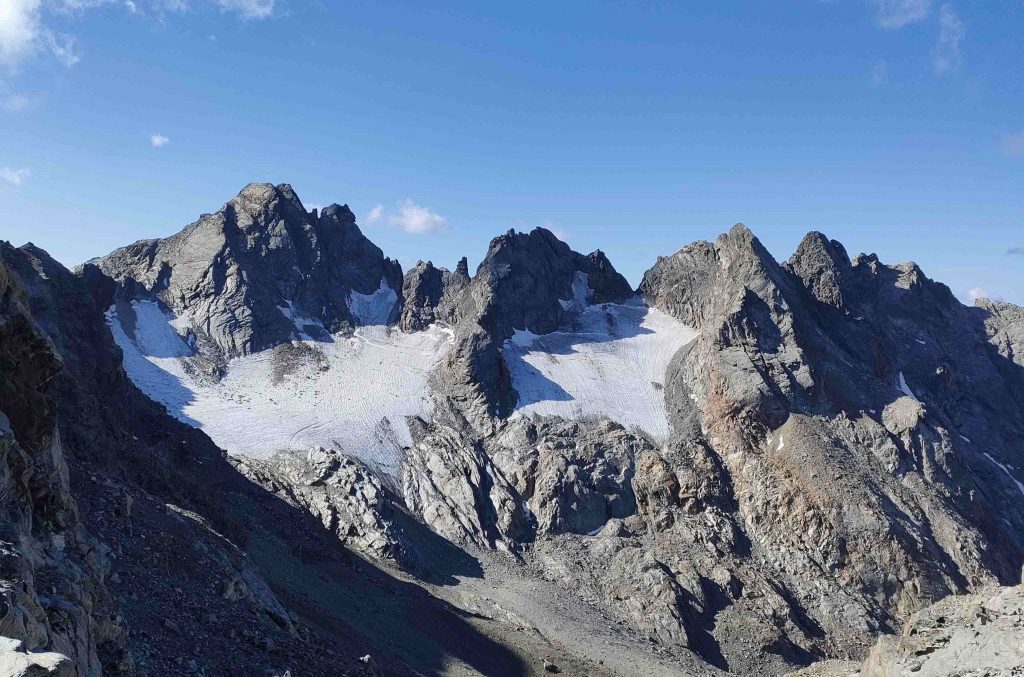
<point x="946" y="57"/>
<point x="24" y="33"/>
<point x="20" y="30"/>
<point x="248" y="9"/>
<point x="895" y="14"/>
<point x="561" y="234"/>
<point x="410" y="217"/>
<point x="15" y="177"/>
<point x="159" y="140"/>
<point x="417" y="220"/>
<point x="976" y="293"/>
<point x="376" y="214"/>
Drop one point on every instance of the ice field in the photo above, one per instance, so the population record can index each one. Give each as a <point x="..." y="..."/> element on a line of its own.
<point x="352" y="394"/>
<point x="611" y="364"/>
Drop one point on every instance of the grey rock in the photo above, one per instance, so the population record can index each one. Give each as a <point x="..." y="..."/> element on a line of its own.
<point x="430" y="294"/>
<point x="980" y="634"/>
<point x="574" y="476"/>
<point x="234" y="274"/>
<point x="454" y="486"/>
<point x="340" y="491"/>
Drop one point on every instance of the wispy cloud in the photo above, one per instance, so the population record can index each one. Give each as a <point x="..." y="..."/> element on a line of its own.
<point x="375" y="215"/>
<point x="248" y="9"/>
<point x="16" y="103"/>
<point x="409" y="217"/>
<point x="24" y="31"/>
<point x="63" y="47"/>
<point x="947" y="57"/>
<point x="15" y="177"/>
<point x="895" y="14"/>
<point x="1015" y="251"/>
<point x="879" y="73"/>
<point x="159" y="140"/>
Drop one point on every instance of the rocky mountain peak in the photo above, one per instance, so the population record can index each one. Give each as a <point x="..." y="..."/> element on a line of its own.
<point x="526" y="274"/>
<point x="262" y="270"/>
<point x="258" y="203"/>
<point x="823" y="266"/>
<point x="429" y="294"/>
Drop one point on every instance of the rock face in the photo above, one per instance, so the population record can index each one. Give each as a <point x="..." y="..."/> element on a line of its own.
<point x="260" y="271"/>
<point x="844" y="410"/>
<point x="980" y="634"/>
<point x="53" y="601"/>
<point x="453" y="476"/>
<point x="429" y="295"/>
<point x="573" y="476"/>
<point x="124" y="537"/>
<point x="341" y="492"/>
<point x="832" y="465"/>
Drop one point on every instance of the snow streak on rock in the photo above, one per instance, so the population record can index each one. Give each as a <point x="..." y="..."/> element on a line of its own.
<point x="1020" y="485"/>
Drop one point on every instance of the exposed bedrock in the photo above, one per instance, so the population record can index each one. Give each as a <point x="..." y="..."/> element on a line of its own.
<point x="56" y="614"/>
<point x="246" y="276"/>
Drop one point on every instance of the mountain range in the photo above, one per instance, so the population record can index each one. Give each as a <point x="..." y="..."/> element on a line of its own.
<point x="259" y="447"/>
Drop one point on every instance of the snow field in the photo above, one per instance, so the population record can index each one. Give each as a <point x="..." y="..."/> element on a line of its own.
<point x="611" y="364"/>
<point x="352" y="394"/>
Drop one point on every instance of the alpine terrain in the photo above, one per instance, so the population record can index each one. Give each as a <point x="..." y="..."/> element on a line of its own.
<point x="260" y="447"/>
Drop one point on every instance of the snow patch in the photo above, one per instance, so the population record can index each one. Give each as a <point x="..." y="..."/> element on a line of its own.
<point x="375" y="308"/>
<point x="301" y="322"/>
<point x="581" y="293"/>
<point x="1020" y="486"/>
<point x="351" y="394"/>
<point x="906" y="389"/>
<point x="157" y="332"/>
<point x="611" y="364"/>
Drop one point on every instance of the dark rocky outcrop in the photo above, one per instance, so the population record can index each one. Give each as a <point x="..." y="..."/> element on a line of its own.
<point x="429" y="295"/>
<point x="52" y="571"/>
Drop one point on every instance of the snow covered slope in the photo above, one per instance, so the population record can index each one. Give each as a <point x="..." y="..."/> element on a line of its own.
<point x="612" y="363"/>
<point x="352" y="394"/>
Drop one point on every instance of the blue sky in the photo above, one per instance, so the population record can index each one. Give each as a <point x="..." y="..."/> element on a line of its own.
<point x="894" y="126"/>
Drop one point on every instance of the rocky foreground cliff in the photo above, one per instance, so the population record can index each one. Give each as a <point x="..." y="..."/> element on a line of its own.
<point x="744" y="466"/>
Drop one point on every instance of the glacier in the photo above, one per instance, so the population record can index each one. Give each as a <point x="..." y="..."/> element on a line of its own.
<point x="611" y="363"/>
<point x="352" y="393"/>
